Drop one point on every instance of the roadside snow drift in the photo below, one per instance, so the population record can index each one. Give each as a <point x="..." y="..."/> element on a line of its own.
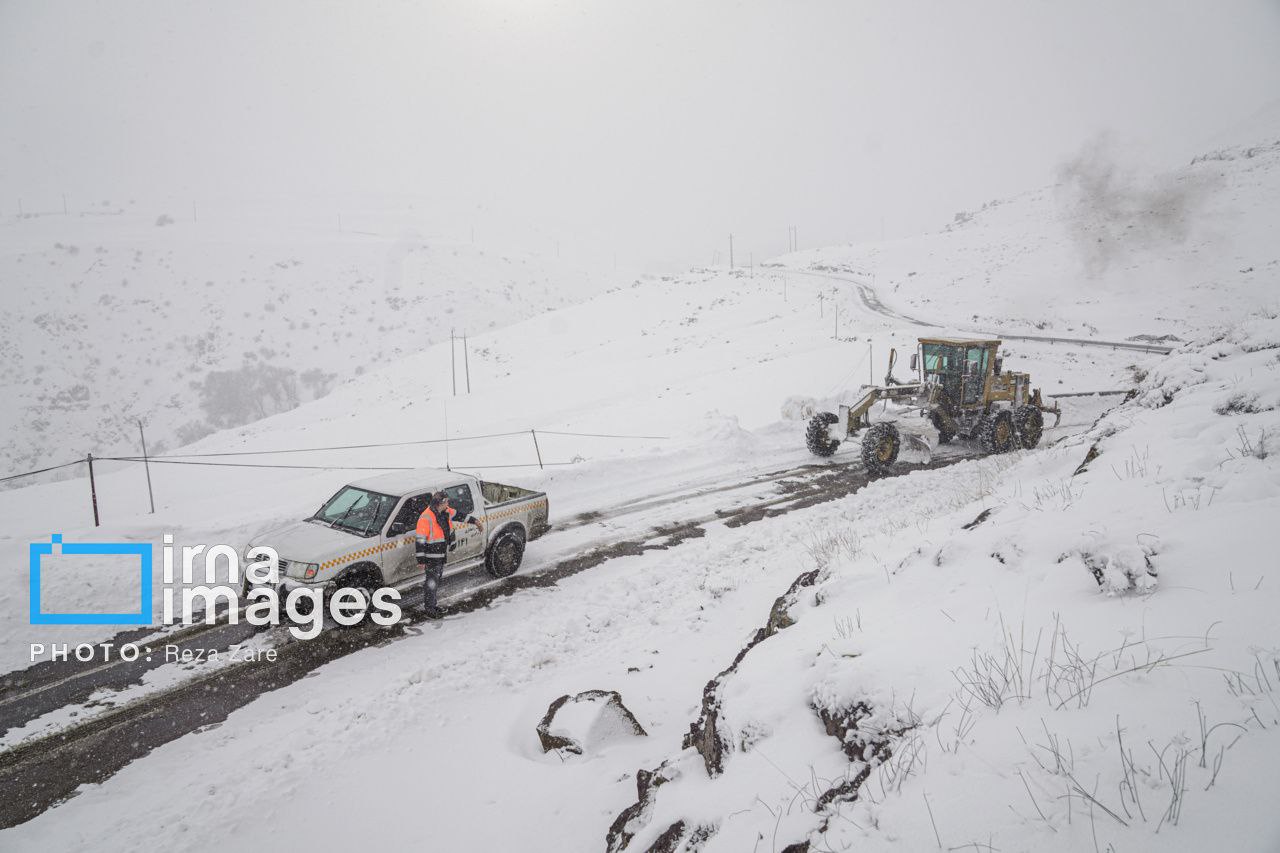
<point x="1023" y="653"/>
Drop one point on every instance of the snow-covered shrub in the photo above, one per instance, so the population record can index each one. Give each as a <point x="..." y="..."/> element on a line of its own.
<point x="799" y="408"/>
<point x="1128" y="570"/>
<point x="1120" y="569"/>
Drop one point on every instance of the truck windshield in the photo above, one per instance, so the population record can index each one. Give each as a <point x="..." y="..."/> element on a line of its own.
<point x="357" y="510"/>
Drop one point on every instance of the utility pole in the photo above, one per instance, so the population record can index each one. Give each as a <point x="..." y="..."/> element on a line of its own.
<point x="730" y="251"/>
<point x="871" y="358"/>
<point x="193" y="212"/>
<point x="93" y="490"/>
<point x="466" y="361"/>
<point x="536" y="449"/>
<point x="821" y="296"/>
<point x="751" y="263"/>
<point x="64" y="204"/>
<point x="146" y="466"/>
<point x="836" y="308"/>
<point x="453" y="364"/>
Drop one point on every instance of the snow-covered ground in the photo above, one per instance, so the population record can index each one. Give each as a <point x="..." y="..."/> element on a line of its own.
<point x="989" y="660"/>
<point x="1023" y="656"/>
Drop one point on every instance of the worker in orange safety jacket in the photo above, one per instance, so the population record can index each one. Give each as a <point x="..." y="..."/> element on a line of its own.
<point x="434" y="535"/>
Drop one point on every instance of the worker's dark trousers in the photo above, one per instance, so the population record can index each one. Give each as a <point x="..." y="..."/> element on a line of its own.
<point x="435" y="571"/>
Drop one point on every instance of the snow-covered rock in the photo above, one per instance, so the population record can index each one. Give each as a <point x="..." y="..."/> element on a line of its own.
<point x="587" y="722"/>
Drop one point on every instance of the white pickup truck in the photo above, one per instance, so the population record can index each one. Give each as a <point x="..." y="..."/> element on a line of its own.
<point x="362" y="538"/>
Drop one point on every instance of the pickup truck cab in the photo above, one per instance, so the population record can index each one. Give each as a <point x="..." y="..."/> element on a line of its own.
<point x="362" y="538"/>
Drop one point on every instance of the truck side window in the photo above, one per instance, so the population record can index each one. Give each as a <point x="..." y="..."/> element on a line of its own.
<point x="412" y="509"/>
<point x="460" y="500"/>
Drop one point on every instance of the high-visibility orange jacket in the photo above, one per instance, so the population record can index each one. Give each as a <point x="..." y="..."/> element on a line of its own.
<point x="429" y="526"/>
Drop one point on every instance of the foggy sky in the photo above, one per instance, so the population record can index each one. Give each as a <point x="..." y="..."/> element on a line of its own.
<point x="646" y="129"/>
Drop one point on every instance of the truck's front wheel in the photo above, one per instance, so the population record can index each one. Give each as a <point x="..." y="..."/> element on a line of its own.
<point x="360" y="585"/>
<point x="505" y="553"/>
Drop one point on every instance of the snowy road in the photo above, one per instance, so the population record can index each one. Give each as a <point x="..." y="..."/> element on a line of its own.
<point x="89" y="747"/>
<point x="871" y="301"/>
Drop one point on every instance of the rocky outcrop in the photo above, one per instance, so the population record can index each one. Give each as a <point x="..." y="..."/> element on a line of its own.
<point x="863" y="746"/>
<point x="708" y="736"/>
<point x="636" y="816"/>
<point x="681" y="837"/>
<point x="705" y="734"/>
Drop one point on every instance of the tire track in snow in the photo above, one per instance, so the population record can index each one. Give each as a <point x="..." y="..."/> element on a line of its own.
<point x="46" y="687"/>
<point x="49" y="769"/>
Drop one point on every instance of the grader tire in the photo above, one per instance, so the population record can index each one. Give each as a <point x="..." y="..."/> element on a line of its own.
<point x="880" y="448"/>
<point x="817" y="437"/>
<point x="1028" y="423"/>
<point x="945" y="433"/>
<point x="997" y="435"/>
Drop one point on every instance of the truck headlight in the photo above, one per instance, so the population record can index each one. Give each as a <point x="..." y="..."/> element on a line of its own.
<point x="302" y="571"/>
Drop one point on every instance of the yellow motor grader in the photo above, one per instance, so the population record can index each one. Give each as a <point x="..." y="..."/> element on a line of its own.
<point x="961" y="389"/>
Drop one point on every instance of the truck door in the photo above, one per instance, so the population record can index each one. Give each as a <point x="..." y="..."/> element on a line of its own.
<point x="398" y="561"/>
<point x="468" y="542"/>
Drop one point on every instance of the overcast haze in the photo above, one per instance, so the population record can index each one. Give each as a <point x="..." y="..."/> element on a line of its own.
<point x="649" y="130"/>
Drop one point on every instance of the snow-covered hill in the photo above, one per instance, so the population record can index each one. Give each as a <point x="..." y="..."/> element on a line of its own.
<point x="118" y="314"/>
<point x="1013" y="653"/>
<point x="1111" y="251"/>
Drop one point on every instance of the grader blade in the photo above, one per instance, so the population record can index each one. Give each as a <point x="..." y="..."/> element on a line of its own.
<point x="919" y="442"/>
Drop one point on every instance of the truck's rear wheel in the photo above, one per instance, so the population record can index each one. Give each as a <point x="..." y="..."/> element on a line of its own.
<point x="505" y="553"/>
<point x="817" y="437"/>
<point x="1028" y="422"/>
<point x="996" y="435"/>
<point x="880" y="448"/>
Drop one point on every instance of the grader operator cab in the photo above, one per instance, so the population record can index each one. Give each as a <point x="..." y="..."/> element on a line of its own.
<point x="962" y="391"/>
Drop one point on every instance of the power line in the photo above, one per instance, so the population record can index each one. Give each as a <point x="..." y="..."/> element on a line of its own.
<point x="160" y="461"/>
<point x="42" y="470"/>
<point x="603" y="435"/>
<point x="512" y="465"/>
<point x="189" y="458"/>
<point x="395" y="444"/>
<point x="336" y="447"/>
<point x="310" y="467"/>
